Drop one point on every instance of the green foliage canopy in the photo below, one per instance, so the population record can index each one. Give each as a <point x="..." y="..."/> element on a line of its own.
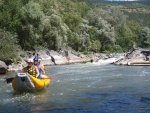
<point x="56" y="24"/>
<point x="31" y="28"/>
<point x="8" y="45"/>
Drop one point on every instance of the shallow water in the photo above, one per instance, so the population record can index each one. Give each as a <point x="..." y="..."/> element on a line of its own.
<point x="81" y="88"/>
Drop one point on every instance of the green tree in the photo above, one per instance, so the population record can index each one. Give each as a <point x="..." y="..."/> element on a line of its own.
<point x="9" y="14"/>
<point x="105" y="32"/>
<point x="8" y="45"/>
<point x="72" y="20"/>
<point x="74" y="41"/>
<point x="55" y="32"/>
<point x="96" y="46"/>
<point x="136" y="31"/>
<point x="31" y="28"/>
<point x="145" y="37"/>
<point x="125" y="38"/>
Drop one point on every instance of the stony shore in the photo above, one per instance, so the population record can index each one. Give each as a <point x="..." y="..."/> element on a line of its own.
<point x="135" y="57"/>
<point x="50" y="57"/>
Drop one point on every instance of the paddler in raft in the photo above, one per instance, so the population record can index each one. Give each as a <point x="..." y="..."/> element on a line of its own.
<point x="39" y="66"/>
<point x="32" y="69"/>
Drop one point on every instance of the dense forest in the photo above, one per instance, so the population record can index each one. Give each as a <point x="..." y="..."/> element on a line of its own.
<point x="27" y="25"/>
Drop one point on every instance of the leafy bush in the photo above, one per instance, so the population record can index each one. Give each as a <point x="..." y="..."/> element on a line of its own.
<point x="112" y="49"/>
<point x="95" y="46"/>
<point x="9" y="14"/>
<point x="74" y="41"/>
<point x="145" y="38"/>
<point x="72" y="20"/>
<point x="55" y="32"/>
<point x="16" y="60"/>
<point x="8" y="45"/>
<point x="30" y="31"/>
<point x="104" y="31"/>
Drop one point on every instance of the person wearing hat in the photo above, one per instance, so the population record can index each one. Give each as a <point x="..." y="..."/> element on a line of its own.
<point x="39" y="66"/>
<point x="31" y="69"/>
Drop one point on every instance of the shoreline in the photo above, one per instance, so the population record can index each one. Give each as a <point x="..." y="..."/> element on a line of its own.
<point x="135" y="57"/>
<point x="51" y="58"/>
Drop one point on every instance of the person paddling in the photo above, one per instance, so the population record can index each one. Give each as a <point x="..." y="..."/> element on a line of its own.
<point x="39" y="66"/>
<point x="31" y="69"/>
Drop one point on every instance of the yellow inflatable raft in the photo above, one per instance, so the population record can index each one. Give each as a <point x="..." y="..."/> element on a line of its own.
<point x="25" y="82"/>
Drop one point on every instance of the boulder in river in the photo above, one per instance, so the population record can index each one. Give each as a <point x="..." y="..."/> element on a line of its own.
<point x="3" y="67"/>
<point x="135" y="57"/>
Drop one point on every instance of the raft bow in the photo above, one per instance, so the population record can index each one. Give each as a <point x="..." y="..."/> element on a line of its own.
<point x="26" y="82"/>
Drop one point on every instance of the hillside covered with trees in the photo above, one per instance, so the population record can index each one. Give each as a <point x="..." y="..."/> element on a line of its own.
<point x="62" y="24"/>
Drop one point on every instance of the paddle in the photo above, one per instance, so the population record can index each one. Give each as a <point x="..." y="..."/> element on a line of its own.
<point x="9" y="80"/>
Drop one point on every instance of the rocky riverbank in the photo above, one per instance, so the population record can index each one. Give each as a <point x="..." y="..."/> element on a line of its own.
<point x="135" y="57"/>
<point x="50" y="57"/>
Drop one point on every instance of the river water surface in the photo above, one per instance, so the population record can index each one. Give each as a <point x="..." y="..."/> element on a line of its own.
<point x="88" y="88"/>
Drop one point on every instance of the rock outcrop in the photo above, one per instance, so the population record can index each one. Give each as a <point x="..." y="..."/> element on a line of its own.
<point x="50" y="57"/>
<point x="3" y="67"/>
<point x="135" y="57"/>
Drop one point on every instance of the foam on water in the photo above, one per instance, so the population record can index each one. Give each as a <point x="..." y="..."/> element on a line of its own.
<point x="109" y="60"/>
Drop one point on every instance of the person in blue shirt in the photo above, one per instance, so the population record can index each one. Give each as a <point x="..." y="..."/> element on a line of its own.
<point x="40" y="67"/>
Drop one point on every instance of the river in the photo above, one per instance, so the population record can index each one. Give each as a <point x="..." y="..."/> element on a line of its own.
<point x="88" y="88"/>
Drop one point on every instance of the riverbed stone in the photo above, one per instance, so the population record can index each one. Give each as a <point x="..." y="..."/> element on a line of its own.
<point x="3" y="67"/>
<point x="57" y="58"/>
<point x="51" y="57"/>
<point x="135" y="57"/>
<point x="15" y="67"/>
<point x="45" y="57"/>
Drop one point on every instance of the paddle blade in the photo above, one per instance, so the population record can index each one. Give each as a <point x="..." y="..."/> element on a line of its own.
<point x="9" y="80"/>
<point x="52" y="77"/>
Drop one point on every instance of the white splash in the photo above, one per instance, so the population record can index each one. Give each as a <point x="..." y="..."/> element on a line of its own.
<point x="109" y="60"/>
